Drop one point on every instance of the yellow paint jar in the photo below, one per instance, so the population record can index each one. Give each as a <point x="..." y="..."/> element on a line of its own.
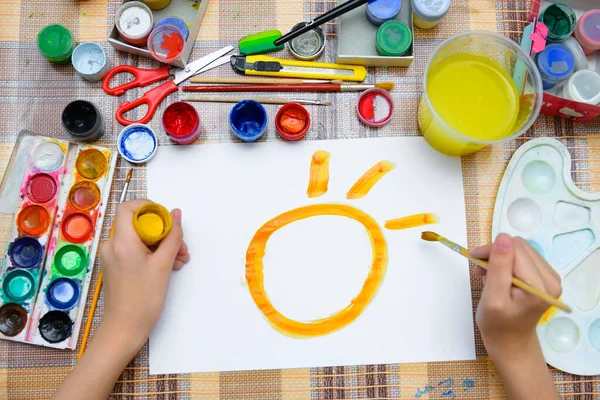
<point x="156" y="4"/>
<point x="152" y="222"/>
<point x="479" y="89"/>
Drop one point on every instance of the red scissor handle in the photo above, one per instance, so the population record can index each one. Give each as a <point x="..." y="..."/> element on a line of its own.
<point x="143" y="77"/>
<point x="152" y="98"/>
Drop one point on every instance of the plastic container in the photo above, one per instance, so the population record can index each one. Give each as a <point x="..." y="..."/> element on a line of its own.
<point x="581" y="61"/>
<point x="152" y="222"/>
<point x="381" y="11"/>
<point x="393" y="39"/>
<point x="134" y="21"/>
<point x="439" y="126"/>
<point x="89" y="60"/>
<point x="56" y="43"/>
<point x="174" y="21"/>
<point x="292" y="121"/>
<point x="166" y="43"/>
<point x="587" y="31"/>
<point x="248" y="120"/>
<point x="556" y="63"/>
<point x="181" y="123"/>
<point x="309" y="45"/>
<point x="137" y="143"/>
<point x="375" y="107"/>
<point x="583" y="86"/>
<point x="560" y="20"/>
<point x="156" y="4"/>
<point x="427" y="14"/>
<point x="82" y="120"/>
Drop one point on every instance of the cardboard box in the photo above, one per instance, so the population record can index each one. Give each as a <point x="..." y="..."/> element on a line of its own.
<point x="191" y="12"/>
<point x="558" y="106"/>
<point x="356" y="39"/>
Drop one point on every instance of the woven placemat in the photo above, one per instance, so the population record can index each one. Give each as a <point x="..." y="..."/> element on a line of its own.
<point x="34" y="92"/>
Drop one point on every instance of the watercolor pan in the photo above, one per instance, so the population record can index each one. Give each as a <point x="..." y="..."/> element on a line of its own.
<point x="539" y="201"/>
<point x="52" y="204"/>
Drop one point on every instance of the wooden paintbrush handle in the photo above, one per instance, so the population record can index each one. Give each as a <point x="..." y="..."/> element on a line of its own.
<point x="251" y="81"/>
<point x="320" y="87"/>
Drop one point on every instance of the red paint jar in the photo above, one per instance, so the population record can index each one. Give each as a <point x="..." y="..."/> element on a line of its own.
<point x="292" y="121"/>
<point x="181" y="123"/>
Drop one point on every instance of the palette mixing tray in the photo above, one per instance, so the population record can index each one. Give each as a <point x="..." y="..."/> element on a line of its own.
<point x="538" y="201"/>
<point x="52" y="203"/>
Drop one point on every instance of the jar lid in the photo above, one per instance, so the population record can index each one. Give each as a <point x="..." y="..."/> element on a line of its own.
<point x="431" y="10"/>
<point x="590" y="28"/>
<point x="309" y="45"/>
<point x="394" y="38"/>
<point x="556" y="62"/>
<point x="55" y="41"/>
<point x="383" y="10"/>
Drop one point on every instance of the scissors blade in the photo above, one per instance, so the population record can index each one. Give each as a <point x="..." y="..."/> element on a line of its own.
<point x="192" y="68"/>
<point x="218" y="62"/>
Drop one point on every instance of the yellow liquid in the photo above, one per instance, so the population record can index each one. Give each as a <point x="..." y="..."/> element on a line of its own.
<point x="475" y="96"/>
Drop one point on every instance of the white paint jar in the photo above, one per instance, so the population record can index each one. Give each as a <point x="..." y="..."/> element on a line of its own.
<point x="583" y="86"/>
<point x="89" y="60"/>
<point x="428" y="13"/>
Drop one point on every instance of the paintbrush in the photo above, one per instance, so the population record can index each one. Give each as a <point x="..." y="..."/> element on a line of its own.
<point x="320" y="87"/>
<point x="265" y="81"/>
<point x="434" y="237"/>
<point x="263" y="100"/>
<point x="88" y="324"/>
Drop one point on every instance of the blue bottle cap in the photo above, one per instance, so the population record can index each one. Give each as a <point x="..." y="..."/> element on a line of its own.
<point x="248" y="120"/>
<point x="556" y="63"/>
<point x="379" y="11"/>
<point x="62" y="294"/>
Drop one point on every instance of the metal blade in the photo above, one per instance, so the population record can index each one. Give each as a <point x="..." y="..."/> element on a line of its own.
<point x="192" y="68"/>
<point x="215" y="64"/>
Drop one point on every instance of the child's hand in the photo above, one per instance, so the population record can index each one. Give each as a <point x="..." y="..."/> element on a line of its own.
<point x="507" y="316"/>
<point x="135" y="278"/>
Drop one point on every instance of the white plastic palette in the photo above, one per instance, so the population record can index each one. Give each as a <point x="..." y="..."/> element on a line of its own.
<point x="538" y="201"/>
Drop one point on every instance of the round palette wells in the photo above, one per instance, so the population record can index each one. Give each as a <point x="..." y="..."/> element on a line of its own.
<point x="539" y="201"/>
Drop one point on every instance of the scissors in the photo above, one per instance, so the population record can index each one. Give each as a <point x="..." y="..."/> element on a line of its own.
<point x="145" y="77"/>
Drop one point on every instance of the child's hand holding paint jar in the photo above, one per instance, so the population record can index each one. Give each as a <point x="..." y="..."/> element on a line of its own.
<point x="507" y="316"/>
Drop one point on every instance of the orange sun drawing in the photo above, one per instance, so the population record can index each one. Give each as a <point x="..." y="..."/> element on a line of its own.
<point x="317" y="186"/>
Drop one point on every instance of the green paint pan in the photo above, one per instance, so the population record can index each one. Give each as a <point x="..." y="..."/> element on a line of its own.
<point x="260" y="43"/>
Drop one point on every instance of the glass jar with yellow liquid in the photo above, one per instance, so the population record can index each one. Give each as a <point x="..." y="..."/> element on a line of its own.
<point x="479" y="89"/>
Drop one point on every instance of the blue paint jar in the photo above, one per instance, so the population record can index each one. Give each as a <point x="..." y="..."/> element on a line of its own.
<point x="380" y="11"/>
<point x="62" y="294"/>
<point x="556" y="63"/>
<point x="174" y="21"/>
<point x="25" y="252"/>
<point x="248" y="120"/>
<point x="137" y="143"/>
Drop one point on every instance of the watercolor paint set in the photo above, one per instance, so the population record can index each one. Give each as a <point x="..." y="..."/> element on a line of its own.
<point x="52" y="204"/>
<point x="538" y="201"/>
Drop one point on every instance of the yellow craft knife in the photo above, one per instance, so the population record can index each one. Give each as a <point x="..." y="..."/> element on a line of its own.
<point x="270" y="66"/>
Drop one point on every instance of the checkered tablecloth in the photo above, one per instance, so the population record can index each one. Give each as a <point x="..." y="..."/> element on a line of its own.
<point x="34" y="92"/>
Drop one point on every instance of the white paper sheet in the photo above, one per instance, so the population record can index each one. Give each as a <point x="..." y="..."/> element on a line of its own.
<point x="314" y="267"/>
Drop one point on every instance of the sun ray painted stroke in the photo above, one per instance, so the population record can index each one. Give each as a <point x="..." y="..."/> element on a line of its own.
<point x="411" y="221"/>
<point x="319" y="174"/>
<point x="366" y="182"/>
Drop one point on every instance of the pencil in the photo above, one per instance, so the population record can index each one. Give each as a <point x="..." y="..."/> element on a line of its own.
<point x="88" y="325"/>
<point x="434" y="237"/>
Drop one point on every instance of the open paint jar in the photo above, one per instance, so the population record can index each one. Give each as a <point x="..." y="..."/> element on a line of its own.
<point x="175" y="21"/>
<point x="428" y="14"/>
<point x="77" y="227"/>
<point x="560" y="19"/>
<point x="25" y="252"/>
<point x="166" y="43"/>
<point x="587" y="31"/>
<point x="13" y="319"/>
<point x="56" y="43"/>
<point x="82" y="120"/>
<point x="292" y="121"/>
<point x="33" y="220"/>
<point x="134" y="21"/>
<point x="70" y="260"/>
<point x="62" y="294"/>
<point x="56" y="326"/>
<point x="381" y="11"/>
<point x="152" y="222"/>
<point x="91" y="164"/>
<point x="137" y="143"/>
<point x="181" y="123"/>
<point x="248" y="120"/>
<point x="470" y="98"/>
<point x="41" y="188"/>
<point x="18" y="286"/>
<point x="556" y="63"/>
<point x="47" y="156"/>
<point x="375" y="107"/>
<point x="583" y="86"/>
<point x="89" y="60"/>
<point x="84" y="195"/>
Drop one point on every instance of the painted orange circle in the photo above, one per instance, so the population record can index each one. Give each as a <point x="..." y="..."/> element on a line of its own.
<point x="255" y="277"/>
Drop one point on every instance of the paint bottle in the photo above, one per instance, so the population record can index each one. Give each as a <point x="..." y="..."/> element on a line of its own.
<point x="175" y="21"/>
<point x="428" y="14"/>
<point x="587" y="31"/>
<point x="393" y="39"/>
<point x="152" y="222"/>
<point x="25" y="252"/>
<point x="380" y="11"/>
<point x="47" y="156"/>
<point x="137" y="143"/>
<point x="556" y="63"/>
<point x="55" y="326"/>
<point x="156" y="4"/>
<point x="292" y="121"/>
<point x="583" y="86"/>
<point x="375" y="107"/>
<point x="70" y="260"/>
<point x="82" y="120"/>
<point x="89" y="60"/>
<point x="62" y="294"/>
<point x="18" y="286"/>
<point x="560" y="19"/>
<point x="134" y="21"/>
<point x="581" y="61"/>
<point x="56" y="43"/>
<point x="13" y="319"/>
<point x="248" y="120"/>
<point x="309" y="45"/>
<point x="166" y="43"/>
<point x="181" y="123"/>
